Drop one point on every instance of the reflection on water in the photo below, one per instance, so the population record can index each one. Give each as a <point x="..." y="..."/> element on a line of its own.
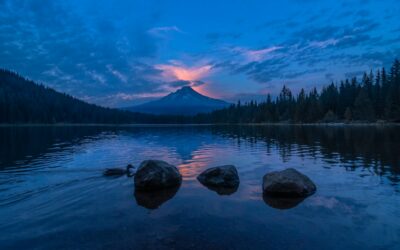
<point x="282" y="203"/>
<point x="53" y="194"/>
<point x="154" y="199"/>
<point x="223" y="190"/>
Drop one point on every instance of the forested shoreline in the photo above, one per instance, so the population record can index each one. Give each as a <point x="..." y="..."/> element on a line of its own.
<point x="23" y="101"/>
<point x="374" y="98"/>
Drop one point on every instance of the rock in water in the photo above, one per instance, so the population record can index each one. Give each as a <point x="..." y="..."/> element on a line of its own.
<point x="222" y="176"/>
<point x="155" y="175"/>
<point x="288" y="183"/>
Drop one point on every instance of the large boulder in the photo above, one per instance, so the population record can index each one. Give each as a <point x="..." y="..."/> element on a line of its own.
<point x="156" y="175"/>
<point x="220" y="177"/>
<point x="288" y="183"/>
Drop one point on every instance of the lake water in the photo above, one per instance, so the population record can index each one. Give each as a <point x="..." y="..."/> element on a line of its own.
<point x="53" y="194"/>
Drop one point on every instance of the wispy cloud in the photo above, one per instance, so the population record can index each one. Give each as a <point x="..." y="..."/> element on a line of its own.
<point x="162" y="31"/>
<point x="255" y="55"/>
<point x="93" y="74"/>
<point x="117" y="74"/>
<point x="325" y="43"/>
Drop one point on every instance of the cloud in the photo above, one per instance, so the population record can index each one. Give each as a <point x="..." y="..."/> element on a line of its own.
<point x="254" y="55"/>
<point x="258" y="55"/>
<point x="324" y="44"/>
<point x="321" y="33"/>
<point x="55" y="71"/>
<point x="117" y="74"/>
<point x="78" y="52"/>
<point x="179" y="83"/>
<point x="119" y="52"/>
<point x="307" y="51"/>
<point x="181" y="72"/>
<point x="162" y="31"/>
<point x="183" y="83"/>
<point x="96" y="76"/>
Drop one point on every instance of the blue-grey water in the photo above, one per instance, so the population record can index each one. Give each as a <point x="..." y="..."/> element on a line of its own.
<point x="53" y="194"/>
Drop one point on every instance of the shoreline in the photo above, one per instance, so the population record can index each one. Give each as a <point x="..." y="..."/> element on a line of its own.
<point x="337" y="124"/>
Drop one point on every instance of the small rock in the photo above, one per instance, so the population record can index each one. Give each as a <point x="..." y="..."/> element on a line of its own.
<point x="288" y="183"/>
<point x="222" y="176"/>
<point x="155" y="175"/>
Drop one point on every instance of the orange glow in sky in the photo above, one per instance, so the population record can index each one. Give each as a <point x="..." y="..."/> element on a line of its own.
<point x="192" y="74"/>
<point x="184" y="73"/>
<point x="202" y="89"/>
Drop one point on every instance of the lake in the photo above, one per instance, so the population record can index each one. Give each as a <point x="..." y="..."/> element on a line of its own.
<point x="53" y="194"/>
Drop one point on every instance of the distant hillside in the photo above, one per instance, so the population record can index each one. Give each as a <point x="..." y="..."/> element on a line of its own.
<point x="23" y="101"/>
<point x="184" y="101"/>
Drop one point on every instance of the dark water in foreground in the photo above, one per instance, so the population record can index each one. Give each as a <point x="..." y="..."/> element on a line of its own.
<point x="53" y="195"/>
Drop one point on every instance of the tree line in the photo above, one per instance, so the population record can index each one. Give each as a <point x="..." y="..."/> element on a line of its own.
<point x="24" y="101"/>
<point x="374" y="97"/>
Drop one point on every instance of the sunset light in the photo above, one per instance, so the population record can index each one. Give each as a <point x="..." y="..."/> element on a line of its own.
<point x="201" y="124"/>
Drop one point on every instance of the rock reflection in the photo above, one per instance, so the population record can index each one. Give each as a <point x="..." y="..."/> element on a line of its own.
<point x="223" y="190"/>
<point x="282" y="202"/>
<point x="154" y="199"/>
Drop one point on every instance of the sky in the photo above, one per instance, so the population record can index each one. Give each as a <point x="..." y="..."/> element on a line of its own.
<point x="126" y="52"/>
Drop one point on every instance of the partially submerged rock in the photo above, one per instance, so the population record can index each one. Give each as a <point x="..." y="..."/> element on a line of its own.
<point x="222" y="179"/>
<point x="288" y="183"/>
<point x="156" y="175"/>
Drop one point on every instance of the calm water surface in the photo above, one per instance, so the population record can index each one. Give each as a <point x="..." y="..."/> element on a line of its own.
<point x="53" y="194"/>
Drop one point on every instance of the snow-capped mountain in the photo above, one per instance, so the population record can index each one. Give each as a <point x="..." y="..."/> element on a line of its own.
<point x="184" y="101"/>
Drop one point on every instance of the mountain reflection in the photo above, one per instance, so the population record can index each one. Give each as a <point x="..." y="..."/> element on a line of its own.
<point x="192" y="148"/>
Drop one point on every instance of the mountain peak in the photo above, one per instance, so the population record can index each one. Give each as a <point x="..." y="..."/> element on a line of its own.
<point x="185" y="101"/>
<point x="186" y="89"/>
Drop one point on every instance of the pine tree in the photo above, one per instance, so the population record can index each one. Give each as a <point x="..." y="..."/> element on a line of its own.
<point x="348" y="116"/>
<point x="363" y="108"/>
<point x="392" y="108"/>
<point x="301" y="107"/>
<point x="377" y="96"/>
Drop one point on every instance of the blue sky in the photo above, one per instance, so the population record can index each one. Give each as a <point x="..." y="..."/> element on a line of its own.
<point x="120" y="53"/>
